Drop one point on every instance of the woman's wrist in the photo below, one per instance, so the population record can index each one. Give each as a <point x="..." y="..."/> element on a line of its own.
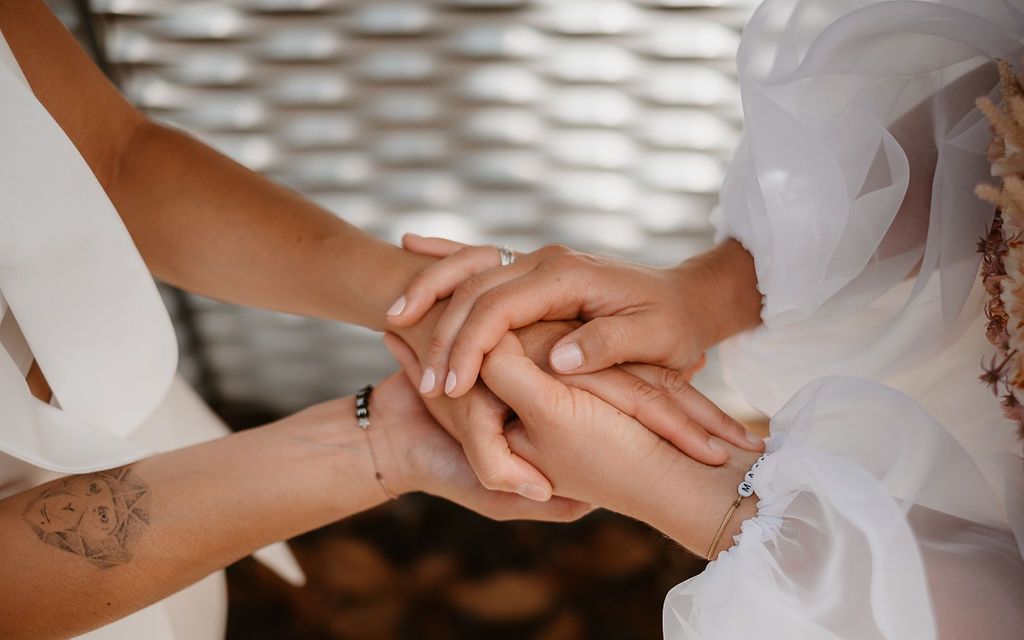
<point x="688" y="501"/>
<point x="334" y="453"/>
<point x="376" y="275"/>
<point x="399" y="426"/>
<point x="720" y="287"/>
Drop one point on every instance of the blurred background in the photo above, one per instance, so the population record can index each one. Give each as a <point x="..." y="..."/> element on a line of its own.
<point x="604" y="125"/>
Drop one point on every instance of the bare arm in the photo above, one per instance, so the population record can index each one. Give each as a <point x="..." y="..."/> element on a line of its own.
<point x="200" y="220"/>
<point x="85" y="550"/>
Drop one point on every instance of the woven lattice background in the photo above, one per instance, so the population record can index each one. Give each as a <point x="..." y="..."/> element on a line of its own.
<point x="601" y="124"/>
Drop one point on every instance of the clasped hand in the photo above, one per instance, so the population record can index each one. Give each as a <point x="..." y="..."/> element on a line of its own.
<point x="633" y="314"/>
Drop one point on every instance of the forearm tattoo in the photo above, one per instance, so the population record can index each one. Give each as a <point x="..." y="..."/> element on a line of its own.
<point x="99" y="516"/>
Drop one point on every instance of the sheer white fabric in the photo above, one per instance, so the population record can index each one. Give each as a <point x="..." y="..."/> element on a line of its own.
<point x="863" y="531"/>
<point x="886" y="510"/>
<point x="858" y="165"/>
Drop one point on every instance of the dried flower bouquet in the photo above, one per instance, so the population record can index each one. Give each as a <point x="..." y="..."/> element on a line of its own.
<point x="1002" y="267"/>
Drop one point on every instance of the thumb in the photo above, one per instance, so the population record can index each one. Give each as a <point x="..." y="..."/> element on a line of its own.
<point x="608" y="341"/>
<point x="436" y="247"/>
<point x="518" y="382"/>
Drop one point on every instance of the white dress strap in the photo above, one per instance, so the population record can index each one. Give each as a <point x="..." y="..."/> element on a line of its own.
<point x="81" y="293"/>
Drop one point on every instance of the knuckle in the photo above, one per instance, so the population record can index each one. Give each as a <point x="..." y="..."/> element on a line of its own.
<point x="466" y="290"/>
<point x="487" y="363"/>
<point x="438" y="343"/>
<point x="690" y="427"/>
<point x="644" y="393"/>
<point x="725" y="424"/>
<point x="563" y="261"/>
<point x="461" y="419"/>
<point x="553" y="250"/>
<point x="464" y="252"/>
<point x="492" y="479"/>
<point x="674" y="382"/>
<point x="610" y="336"/>
<point x="490" y="299"/>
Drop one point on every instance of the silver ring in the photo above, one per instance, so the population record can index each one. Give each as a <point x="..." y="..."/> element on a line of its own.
<point x="507" y="255"/>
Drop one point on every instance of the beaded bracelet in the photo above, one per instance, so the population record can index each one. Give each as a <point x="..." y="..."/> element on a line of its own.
<point x="363" y="420"/>
<point x="744" y="490"/>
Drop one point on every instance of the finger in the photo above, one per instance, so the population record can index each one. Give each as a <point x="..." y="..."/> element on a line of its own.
<point x="480" y="429"/>
<point x="519" y="382"/>
<point x="482" y="437"/>
<point x="458" y="482"/>
<point x="655" y="410"/>
<point x="463" y="302"/>
<point x="499" y="505"/>
<point x="429" y="246"/>
<point x="607" y="341"/>
<point x="696" y="367"/>
<point x="693" y="403"/>
<point x="487" y="315"/>
<point x="439" y="281"/>
<point x="405" y="356"/>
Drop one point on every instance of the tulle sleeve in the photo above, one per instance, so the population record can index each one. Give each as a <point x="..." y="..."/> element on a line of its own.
<point x="853" y="186"/>
<point x="873" y="522"/>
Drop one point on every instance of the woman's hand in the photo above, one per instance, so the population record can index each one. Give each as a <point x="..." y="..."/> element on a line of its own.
<point x="661" y="399"/>
<point x="633" y="313"/>
<point x="596" y="454"/>
<point x="416" y="454"/>
<point x="476" y="421"/>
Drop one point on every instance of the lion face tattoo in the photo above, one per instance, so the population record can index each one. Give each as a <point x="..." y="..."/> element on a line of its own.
<point x="97" y="516"/>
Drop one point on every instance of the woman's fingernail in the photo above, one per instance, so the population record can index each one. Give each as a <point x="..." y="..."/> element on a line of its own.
<point x="716" y="445"/>
<point x="450" y="381"/>
<point x="567" y="357"/>
<point x="754" y="439"/>
<point x="533" y="492"/>
<point x="427" y="381"/>
<point x="398" y="307"/>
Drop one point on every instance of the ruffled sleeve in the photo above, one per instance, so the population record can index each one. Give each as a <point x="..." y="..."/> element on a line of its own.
<point x="853" y="186"/>
<point x="873" y="522"/>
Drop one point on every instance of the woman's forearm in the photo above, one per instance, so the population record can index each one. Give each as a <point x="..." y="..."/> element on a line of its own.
<point x="85" y="550"/>
<point x="207" y="224"/>
<point x="202" y="221"/>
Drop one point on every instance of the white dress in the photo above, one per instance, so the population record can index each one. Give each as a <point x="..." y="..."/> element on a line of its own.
<point x="76" y="296"/>
<point x="892" y="505"/>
